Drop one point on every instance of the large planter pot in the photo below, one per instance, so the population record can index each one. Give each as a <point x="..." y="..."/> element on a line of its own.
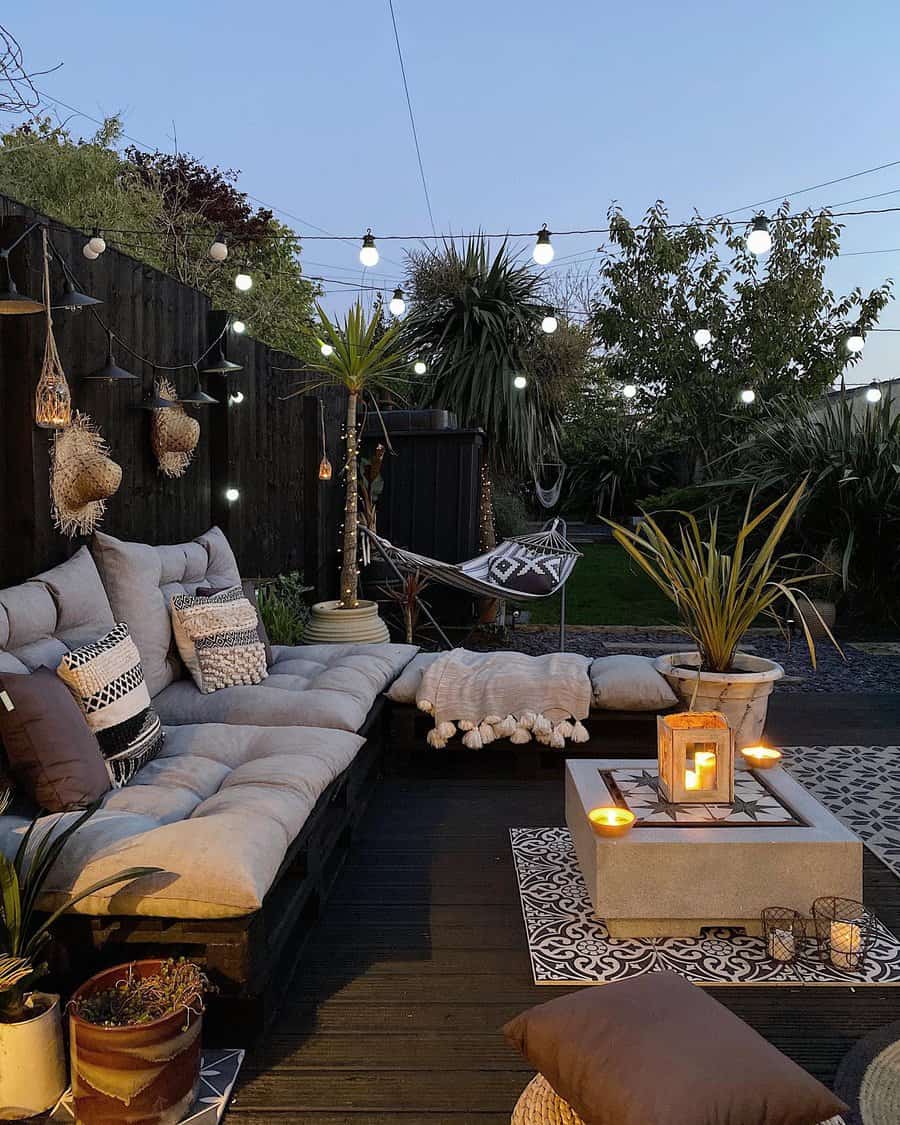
<point x="826" y="611"/>
<point x="147" y="1072"/>
<point x="330" y="624"/>
<point x="32" y="1061"/>
<point x="742" y="695"/>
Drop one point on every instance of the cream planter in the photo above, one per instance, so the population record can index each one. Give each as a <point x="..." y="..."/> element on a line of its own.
<point x="329" y="624"/>
<point x="741" y="695"/>
<point x="32" y="1062"/>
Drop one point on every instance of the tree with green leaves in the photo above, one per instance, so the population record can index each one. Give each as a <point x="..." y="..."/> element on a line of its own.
<point x="177" y="206"/>
<point x="774" y="324"/>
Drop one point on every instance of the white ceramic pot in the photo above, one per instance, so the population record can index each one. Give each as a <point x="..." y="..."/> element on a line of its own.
<point x="32" y="1062"/>
<point x="330" y="624"/>
<point x="742" y="695"/>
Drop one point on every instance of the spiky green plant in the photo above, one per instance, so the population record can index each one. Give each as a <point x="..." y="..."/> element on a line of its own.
<point x="24" y="932"/>
<point x="720" y="593"/>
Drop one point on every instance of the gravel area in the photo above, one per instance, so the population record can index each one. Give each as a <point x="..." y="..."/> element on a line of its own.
<point x="862" y="673"/>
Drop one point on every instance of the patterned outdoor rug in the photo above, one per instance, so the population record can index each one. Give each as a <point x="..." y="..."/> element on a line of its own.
<point x="568" y="945"/>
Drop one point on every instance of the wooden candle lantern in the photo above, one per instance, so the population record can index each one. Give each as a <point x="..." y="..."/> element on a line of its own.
<point x="696" y="758"/>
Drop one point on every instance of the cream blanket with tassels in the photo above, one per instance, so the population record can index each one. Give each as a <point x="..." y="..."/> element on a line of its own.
<point x="489" y="695"/>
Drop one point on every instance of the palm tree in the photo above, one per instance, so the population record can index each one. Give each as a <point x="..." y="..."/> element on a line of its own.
<point x="365" y="359"/>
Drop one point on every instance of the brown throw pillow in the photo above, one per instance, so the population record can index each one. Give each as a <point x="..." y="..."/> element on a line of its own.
<point x="658" y="1049"/>
<point x="250" y="594"/>
<point x="52" y="752"/>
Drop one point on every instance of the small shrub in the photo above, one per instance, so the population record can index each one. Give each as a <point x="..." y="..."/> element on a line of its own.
<point x="283" y="608"/>
<point x="510" y="513"/>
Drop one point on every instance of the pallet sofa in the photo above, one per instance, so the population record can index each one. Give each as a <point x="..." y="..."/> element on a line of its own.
<point x="251" y="804"/>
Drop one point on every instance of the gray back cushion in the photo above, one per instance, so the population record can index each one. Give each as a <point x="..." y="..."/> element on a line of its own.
<point x="49" y="615"/>
<point x="140" y="580"/>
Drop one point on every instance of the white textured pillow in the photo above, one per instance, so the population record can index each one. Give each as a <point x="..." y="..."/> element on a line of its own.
<point x="626" y="682"/>
<point x="406" y="685"/>
<point x="218" y="640"/>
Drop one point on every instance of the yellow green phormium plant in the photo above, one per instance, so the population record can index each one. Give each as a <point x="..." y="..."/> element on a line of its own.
<point x="719" y="595"/>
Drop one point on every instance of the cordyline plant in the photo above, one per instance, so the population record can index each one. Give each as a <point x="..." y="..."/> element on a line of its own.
<point x="719" y="594"/>
<point x="24" y="933"/>
<point x="365" y="359"/>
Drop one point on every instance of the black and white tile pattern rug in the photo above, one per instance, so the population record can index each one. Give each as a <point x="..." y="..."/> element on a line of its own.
<point x="568" y="945"/>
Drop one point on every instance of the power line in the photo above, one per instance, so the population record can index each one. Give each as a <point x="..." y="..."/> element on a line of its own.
<point x="815" y="187"/>
<point x="412" y="120"/>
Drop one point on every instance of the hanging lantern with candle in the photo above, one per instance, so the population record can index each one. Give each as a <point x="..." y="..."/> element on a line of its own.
<point x="696" y="758"/>
<point x="52" y="400"/>
<point x="324" y="463"/>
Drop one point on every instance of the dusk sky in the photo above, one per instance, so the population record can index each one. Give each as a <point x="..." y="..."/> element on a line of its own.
<point x="527" y="113"/>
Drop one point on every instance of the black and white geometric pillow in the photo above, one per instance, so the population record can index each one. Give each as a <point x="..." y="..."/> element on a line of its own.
<point x="106" y="678"/>
<point x="526" y="573"/>
<point x="218" y="639"/>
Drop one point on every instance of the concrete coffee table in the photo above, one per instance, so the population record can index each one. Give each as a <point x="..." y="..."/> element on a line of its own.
<point x="685" y="867"/>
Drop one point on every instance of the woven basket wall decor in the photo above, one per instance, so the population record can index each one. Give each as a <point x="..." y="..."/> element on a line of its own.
<point x="174" y="434"/>
<point x="82" y="476"/>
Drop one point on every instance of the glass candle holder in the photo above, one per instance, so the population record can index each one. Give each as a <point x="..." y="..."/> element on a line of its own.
<point x="784" y="932"/>
<point x="844" y="930"/>
<point x="611" y="820"/>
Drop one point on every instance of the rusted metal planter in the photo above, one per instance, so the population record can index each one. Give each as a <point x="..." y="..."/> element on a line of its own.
<point x="148" y="1072"/>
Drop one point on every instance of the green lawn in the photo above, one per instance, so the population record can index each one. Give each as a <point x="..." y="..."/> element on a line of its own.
<point x="607" y="588"/>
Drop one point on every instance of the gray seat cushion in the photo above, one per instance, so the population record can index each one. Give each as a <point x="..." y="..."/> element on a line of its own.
<point x="49" y="615"/>
<point x="141" y="579"/>
<point x="331" y="686"/>
<point x="217" y="810"/>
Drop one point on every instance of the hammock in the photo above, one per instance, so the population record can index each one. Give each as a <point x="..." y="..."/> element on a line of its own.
<point x="473" y="576"/>
<point x="549" y="497"/>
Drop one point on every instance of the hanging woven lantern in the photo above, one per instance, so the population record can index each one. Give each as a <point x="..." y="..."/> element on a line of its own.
<point x="52" y="400"/>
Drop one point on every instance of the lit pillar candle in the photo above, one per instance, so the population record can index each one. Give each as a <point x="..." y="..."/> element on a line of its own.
<point x="781" y="945"/>
<point x="691" y="779"/>
<point x="846" y="945"/>
<point x="705" y="765"/>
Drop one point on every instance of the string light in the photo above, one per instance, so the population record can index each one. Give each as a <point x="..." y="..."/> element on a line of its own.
<point x="549" y="324"/>
<point x="231" y="494"/>
<point x="218" y="251"/>
<point x="855" y="343"/>
<point x="239" y="327"/>
<point x="759" y="241"/>
<point x="420" y="367"/>
<point x="873" y="392"/>
<point x="748" y="396"/>
<point x="326" y="349"/>
<point x="702" y="337"/>
<point x="236" y="398"/>
<point x="97" y="243"/>
<point x="543" y="248"/>
<point x="243" y="281"/>
<point x="89" y="253"/>
<point x="368" y="255"/>
<point x="397" y="305"/>
<point x="629" y="390"/>
<point x="520" y="382"/>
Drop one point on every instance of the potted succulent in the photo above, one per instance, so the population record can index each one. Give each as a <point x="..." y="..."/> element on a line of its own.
<point x="362" y="357"/>
<point x="134" y="1035"/>
<point x="719" y="594"/>
<point x="32" y="1063"/>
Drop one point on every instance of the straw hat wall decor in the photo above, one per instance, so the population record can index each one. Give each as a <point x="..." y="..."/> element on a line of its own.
<point x="174" y="433"/>
<point x="82" y="476"/>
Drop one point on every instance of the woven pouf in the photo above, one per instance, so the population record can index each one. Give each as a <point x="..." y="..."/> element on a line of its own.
<point x="539" y="1104"/>
<point x="869" y="1078"/>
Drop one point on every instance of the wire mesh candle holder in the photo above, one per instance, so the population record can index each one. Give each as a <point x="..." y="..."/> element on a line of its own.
<point x="784" y="932"/>
<point x="844" y="931"/>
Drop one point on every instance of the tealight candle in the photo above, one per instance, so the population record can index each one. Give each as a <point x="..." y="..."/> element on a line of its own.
<point x="781" y="945"/>
<point x="846" y="945"/>
<point x="761" y="757"/>
<point x="611" y="820"/>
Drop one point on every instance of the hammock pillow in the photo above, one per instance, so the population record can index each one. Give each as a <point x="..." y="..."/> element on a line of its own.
<point x="526" y="574"/>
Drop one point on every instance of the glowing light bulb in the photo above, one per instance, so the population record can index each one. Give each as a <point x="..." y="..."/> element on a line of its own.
<point x="543" y="248"/>
<point x="520" y="382"/>
<point x="759" y="241"/>
<point x="549" y="324"/>
<point x="368" y="255"/>
<point x="397" y="305"/>
<point x="748" y="395"/>
<point x="218" y="251"/>
<point x="88" y="252"/>
<point x="236" y="398"/>
<point x="239" y="327"/>
<point x="231" y="494"/>
<point x="420" y="367"/>
<point x="629" y="390"/>
<point x="243" y="281"/>
<point x="873" y="392"/>
<point x="855" y="343"/>
<point x="326" y="350"/>
<point x="97" y="243"/>
<point x="702" y="337"/>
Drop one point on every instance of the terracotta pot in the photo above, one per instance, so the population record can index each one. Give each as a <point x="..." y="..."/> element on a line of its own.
<point x="32" y="1061"/>
<point x="742" y="695"/>
<point x="148" y="1072"/>
<point x="330" y="624"/>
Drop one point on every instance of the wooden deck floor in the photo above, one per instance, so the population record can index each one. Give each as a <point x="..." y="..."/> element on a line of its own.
<point x="395" y="1012"/>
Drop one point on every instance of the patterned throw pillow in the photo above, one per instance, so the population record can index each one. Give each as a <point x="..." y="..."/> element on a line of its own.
<point x="106" y="678"/>
<point x="218" y="640"/>
<point x="526" y="574"/>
